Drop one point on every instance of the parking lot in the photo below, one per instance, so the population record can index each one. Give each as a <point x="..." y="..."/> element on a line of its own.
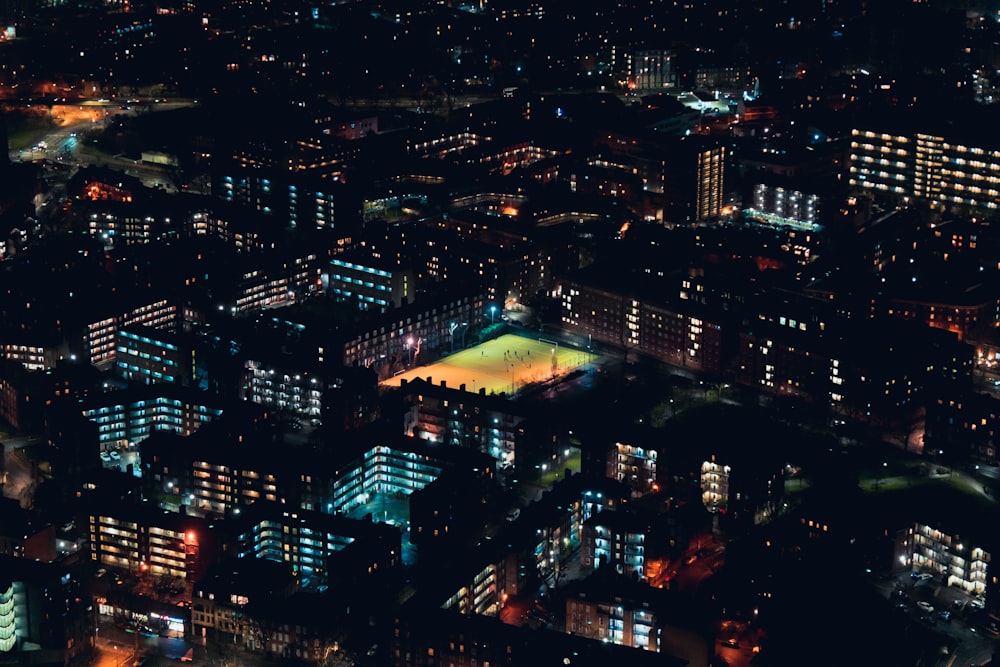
<point x="393" y="509"/>
<point x="966" y="630"/>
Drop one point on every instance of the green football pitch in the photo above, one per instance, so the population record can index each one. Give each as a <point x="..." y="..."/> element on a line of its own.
<point x="502" y="365"/>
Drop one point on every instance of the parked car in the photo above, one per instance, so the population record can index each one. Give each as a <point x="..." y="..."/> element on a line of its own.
<point x="544" y="618"/>
<point x="925" y="606"/>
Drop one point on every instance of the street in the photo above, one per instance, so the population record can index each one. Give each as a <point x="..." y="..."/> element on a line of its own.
<point x="117" y="647"/>
<point x="63" y="143"/>
<point x="692" y="574"/>
<point x="120" y="648"/>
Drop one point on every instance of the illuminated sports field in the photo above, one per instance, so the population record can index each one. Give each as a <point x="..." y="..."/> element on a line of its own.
<point x="505" y="364"/>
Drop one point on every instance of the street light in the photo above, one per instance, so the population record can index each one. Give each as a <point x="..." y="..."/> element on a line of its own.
<point x="409" y="348"/>
<point x="493" y="310"/>
<point x="881" y="477"/>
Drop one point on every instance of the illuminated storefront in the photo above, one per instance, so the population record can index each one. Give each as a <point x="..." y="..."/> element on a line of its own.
<point x="127" y="615"/>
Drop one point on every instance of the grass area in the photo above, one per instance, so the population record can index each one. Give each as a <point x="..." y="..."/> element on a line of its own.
<point x="25" y="128"/>
<point x="886" y="484"/>
<point x="965" y="485"/>
<point x="890" y="489"/>
<point x="23" y="132"/>
<point x="939" y="500"/>
<point x="557" y="470"/>
<point x="796" y="485"/>
<point x="502" y="365"/>
<point x="955" y="500"/>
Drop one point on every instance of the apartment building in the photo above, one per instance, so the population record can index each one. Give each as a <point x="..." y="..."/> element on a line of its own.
<point x="145" y="540"/>
<point x="99" y="337"/>
<point x="145" y="355"/>
<point x="940" y="168"/>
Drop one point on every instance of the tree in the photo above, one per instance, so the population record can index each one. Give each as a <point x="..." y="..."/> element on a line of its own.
<point x="545" y="310"/>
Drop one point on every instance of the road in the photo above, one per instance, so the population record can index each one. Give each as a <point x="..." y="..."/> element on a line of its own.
<point x="695" y="571"/>
<point x="63" y="143"/>
<point x="124" y="648"/>
<point x="119" y="648"/>
<point x="738" y="644"/>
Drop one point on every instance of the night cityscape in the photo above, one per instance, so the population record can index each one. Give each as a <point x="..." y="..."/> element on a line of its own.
<point x="515" y="333"/>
